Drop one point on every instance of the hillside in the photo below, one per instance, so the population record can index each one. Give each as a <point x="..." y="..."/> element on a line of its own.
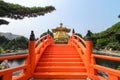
<point x="110" y="38"/>
<point x="9" y="36"/>
<point x="10" y="42"/>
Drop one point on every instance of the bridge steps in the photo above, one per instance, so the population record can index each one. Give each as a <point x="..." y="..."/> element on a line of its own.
<point x="60" y="61"/>
<point x="52" y="64"/>
<point x="60" y="79"/>
<point x="55" y="75"/>
<point x="61" y="56"/>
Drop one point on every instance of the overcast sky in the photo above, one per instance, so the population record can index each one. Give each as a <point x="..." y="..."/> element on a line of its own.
<point x="82" y="15"/>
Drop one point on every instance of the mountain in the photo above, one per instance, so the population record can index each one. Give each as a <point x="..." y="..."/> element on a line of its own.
<point x="10" y="36"/>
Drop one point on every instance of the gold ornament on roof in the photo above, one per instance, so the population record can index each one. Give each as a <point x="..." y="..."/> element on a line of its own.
<point x="61" y="24"/>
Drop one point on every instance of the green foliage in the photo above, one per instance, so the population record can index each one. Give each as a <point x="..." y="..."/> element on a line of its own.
<point x="107" y="39"/>
<point x="3" y="21"/>
<point x="115" y="29"/>
<point x="113" y="45"/>
<point x="0" y="67"/>
<point x="3" y="40"/>
<point x="45" y="33"/>
<point x="101" y="43"/>
<point x="1" y="50"/>
<point x="119" y="16"/>
<point x="18" y="43"/>
<point x="16" y="11"/>
<point x="118" y="68"/>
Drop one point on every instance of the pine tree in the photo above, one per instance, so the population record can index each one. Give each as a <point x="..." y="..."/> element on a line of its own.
<point x="119" y="16"/>
<point x="16" y="11"/>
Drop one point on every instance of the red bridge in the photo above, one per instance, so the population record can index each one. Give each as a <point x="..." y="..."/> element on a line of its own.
<point x="46" y="60"/>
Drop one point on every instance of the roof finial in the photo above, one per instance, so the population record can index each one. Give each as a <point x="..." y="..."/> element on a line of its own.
<point x="61" y="24"/>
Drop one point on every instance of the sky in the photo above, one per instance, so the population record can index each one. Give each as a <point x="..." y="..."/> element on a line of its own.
<point x="82" y="15"/>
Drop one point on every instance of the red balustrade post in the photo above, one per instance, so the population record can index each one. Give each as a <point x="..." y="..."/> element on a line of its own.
<point x="31" y="54"/>
<point x="48" y="34"/>
<point x="7" y="76"/>
<point x="90" y="61"/>
<point x="72" y="37"/>
<point x="51" y="37"/>
<point x="73" y="33"/>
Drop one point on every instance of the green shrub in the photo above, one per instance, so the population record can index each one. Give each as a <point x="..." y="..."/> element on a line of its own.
<point x="118" y="68"/>
<point x="1" y="50"/>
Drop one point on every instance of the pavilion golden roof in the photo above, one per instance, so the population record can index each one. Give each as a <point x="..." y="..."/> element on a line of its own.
<point x="61" y="29"/>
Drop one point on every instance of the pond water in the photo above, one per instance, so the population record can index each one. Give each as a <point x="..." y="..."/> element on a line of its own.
<point x="16" y="62"/>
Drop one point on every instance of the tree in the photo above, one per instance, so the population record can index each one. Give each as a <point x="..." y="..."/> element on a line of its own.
<point x="110" y="38"/>
<point x="3" y="40"/>
<point x="17" y="43"/>
<point x="22" y="42"/>
<point x="119" y="16"/>
<point x="1" y="50"/>
<point x="101" y="43"/>
<point x="114" y="46"/>
<point x="45" y="33"/>
<point x="16" y="11"/>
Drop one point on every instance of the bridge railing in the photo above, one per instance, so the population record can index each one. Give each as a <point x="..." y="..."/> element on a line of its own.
<point x="35" y="50"/>
<point x="84" y="47"/>
<point x="112" y="74"/>
<point x="6" y="74"/>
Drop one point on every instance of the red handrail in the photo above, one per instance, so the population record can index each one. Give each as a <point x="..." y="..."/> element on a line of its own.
<point x="6" y="74"/>
<point x="13" y="57"/>
<point x="113" y="74"/>
<point x="106" y="57"/>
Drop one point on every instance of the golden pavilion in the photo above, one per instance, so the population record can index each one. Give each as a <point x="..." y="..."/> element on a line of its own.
<point x="60" y="34"/>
